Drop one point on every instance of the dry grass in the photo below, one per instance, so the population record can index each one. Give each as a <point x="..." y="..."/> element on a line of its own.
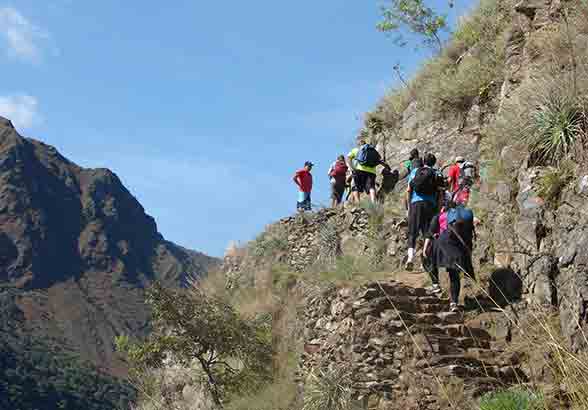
<point x="449" y="83"/>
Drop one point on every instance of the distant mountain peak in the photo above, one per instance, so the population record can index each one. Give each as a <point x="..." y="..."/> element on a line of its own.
<point x="80" y="248"/>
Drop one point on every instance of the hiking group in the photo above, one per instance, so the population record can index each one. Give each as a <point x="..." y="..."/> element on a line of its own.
<point x="436" y="206"/>
<point x="349" y="178"/>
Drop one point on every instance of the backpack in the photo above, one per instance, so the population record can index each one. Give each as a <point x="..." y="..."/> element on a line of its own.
<point x="424" y="181"/>
<point x="368" y="156"/>
<point x="460" y="223"/>
<point x="467" y="174"/>
<point x="459" y="215"/>
<point x="339" y="170"/>
<point x="461" y="196"/>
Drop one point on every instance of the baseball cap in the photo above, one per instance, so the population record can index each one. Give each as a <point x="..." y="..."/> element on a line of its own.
<point x="459" y="159"/>
<point x="308" y="163"/>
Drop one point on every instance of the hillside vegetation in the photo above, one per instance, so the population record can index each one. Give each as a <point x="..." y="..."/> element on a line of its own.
<point x="346" y="328"/>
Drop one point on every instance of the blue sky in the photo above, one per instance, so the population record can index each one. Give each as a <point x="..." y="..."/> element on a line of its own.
<point x="203" y="109"/>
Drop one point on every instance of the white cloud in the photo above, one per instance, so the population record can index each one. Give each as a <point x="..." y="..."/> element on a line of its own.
<point x="22" y="110"/>
<point x="21" y="38"/>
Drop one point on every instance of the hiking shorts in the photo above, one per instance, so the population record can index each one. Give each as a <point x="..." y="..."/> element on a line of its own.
<point x="337" y="190"/>
<point x="364" y="181"/>
<point x="419" y="218"/>
<point x="303" y="201"/>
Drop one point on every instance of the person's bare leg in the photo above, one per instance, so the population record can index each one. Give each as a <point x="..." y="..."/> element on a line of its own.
<point x="373" y="195"/>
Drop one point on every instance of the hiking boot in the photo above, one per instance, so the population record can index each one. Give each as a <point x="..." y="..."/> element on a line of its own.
<point x="453" y="307"/>
<point x="435" y="289"/>
<point x="409" y="266"/>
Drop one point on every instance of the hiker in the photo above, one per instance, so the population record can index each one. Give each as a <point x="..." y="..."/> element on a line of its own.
<point x="414" y="161"/>
<point x="338" y="178"/>
<point x="453" y="248"/>
<point x="303" y="179"/>
<point x="408" y="165"/>
<point x="453" y="174"/>
<point x="423" y="197"/>
<point x="349" y="184"/>
<point x="461" y="178"/>
<point x="389" y="180"/>
<point x="437" y="226"/>
<point x="363" y="160"/>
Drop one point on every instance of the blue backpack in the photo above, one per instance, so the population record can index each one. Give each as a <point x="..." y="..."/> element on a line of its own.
<point x="368" y="156"/>
<point x="459" y="214"/>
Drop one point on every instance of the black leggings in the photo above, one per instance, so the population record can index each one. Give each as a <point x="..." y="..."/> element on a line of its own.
<point x="454" y="279"/>
<point x="419" y="218"/>
<point x="455" y="285"/>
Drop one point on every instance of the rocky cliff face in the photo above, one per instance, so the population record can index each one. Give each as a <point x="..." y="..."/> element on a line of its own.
<point x="540" y="241"/>
<point x="77" y="249"/>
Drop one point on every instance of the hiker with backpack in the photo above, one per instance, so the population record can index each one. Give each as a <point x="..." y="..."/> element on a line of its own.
<point x="461" y="178"/>
<point x="389" y="180"/>
<point x="363" y="160"/>
<point x="437" y="226"/>
<point x="338" y="176"/>
<point x="423" y="197"/>
<point x="408" y="165"/>
<point x="449" y="244"/>
<point x="303" y="179"/>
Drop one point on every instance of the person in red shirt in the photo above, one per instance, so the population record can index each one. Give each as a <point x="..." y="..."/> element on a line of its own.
<point x="453" y="174"/>
<point x="338" y="175"/>
<point x="303" y="178"/>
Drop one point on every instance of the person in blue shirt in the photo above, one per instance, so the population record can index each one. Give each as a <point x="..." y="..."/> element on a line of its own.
<point x="421" y="206"/>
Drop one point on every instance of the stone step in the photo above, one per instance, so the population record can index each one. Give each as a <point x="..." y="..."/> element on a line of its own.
<point x="375" y="307"/>
<point x="462" y="371"/>
<point x="459" y="330"/>
<point x="505" y="374"/>
<point x="440" y="318"/>
<point x="446" y="360"/>
<point x="483" y="354"/>
<point x="391" y="288"/>
<point x="453" y="345"/>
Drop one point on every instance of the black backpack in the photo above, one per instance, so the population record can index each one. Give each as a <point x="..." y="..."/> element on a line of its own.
<point x="424" y="181"/>
<point x="368" y="156"/>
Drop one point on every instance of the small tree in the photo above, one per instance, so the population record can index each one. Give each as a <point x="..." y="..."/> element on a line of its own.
<point x="234" y="354"/>
<point x="415" y="16"/>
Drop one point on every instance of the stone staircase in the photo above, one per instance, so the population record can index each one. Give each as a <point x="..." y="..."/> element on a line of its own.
<point x="403" y="347"/>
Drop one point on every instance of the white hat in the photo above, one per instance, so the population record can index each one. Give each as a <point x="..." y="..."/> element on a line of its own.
<point x="459" y="159"/>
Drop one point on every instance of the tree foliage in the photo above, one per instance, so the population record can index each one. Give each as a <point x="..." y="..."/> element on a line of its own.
<point x="234" y="354"/>
<point x="416" y="17"/>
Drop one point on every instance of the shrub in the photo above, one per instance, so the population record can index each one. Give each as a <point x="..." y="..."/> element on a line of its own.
<point x="328" y="242"/>
<point x="515" y="399"/>
<point x="551" y="185"/>
<point x="233" y="354"/>
<point x="270" y="242"/>
<point x="329" y="389"/>
<point x="455" y="88"/>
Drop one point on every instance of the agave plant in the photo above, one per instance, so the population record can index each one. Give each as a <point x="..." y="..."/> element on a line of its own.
<point x="555" y="127"/>
<point x="329" y="389"/>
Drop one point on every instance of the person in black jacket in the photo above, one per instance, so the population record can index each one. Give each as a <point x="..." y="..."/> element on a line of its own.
<point x="453" y="248"/>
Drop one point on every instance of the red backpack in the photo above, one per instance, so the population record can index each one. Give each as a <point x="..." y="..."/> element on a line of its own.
<point x="339" y="170"/>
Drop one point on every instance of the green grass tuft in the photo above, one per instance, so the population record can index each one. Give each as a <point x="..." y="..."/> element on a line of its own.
<point x="515" y="399"/>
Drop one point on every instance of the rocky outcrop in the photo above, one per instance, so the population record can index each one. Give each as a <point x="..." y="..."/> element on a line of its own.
<point x="79" y="249"/>
<point x="541" y="242"/>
